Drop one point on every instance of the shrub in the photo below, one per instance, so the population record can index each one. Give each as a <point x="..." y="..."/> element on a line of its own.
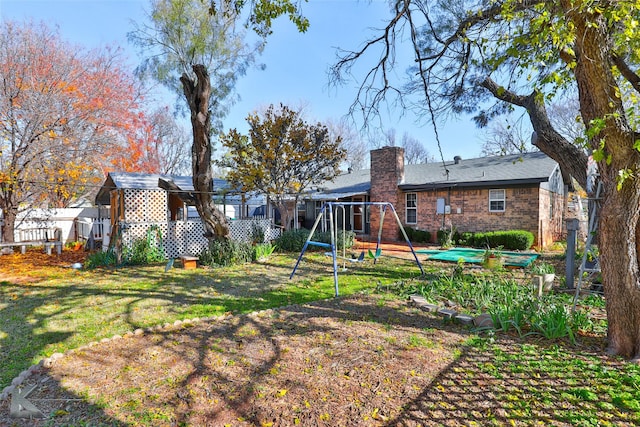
<point x="325" y="237"/>
<point x="511" y="240"/>
<point x="222" y="253"/>
<point x="415" y="236"/>
<point x="294" y="240"/>
<point x="465" y="238"/>
<point x="257" y="234"/>
<point x="145" y="250"/>
<point x="100" y="259"/>
<point x="445" y="237"/>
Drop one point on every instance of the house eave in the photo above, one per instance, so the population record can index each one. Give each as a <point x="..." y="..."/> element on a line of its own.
<point x="321" y="196"/>
<point x="471" y="184"/>
<point x="172" y="188"/>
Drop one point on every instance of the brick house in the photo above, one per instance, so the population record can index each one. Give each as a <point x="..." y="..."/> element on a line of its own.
<point x="525" y="192"/>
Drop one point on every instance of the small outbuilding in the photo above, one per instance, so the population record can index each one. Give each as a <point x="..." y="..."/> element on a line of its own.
<point x="138" y="202"/>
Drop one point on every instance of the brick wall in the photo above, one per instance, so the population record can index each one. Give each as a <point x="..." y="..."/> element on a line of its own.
<point x="526" y="208"/>
<point x="387" y="171"/>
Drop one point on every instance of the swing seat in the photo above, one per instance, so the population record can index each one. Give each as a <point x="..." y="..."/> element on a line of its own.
<point x="376" y="255"/>
<point x="353" y="259"/>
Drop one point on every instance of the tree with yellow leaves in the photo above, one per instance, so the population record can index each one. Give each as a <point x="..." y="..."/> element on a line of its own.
<point x="282" y="157"/>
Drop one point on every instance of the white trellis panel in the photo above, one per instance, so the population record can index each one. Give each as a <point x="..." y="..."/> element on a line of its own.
<point x="243" y="230"/>
<point x="145" y="205"/>
<point x="187" y="237"/>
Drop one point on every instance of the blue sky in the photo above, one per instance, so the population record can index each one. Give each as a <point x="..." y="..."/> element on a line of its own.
<point x="296" y="64"/>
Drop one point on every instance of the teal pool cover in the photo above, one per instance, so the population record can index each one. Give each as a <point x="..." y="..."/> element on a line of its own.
<point x="515" y="259"/>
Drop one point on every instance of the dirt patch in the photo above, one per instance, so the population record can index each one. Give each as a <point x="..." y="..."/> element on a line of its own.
<point x="348" y="361"/>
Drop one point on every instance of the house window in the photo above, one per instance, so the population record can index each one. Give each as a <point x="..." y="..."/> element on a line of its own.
<point x="411" y="208"/>
<point x="497" y="200"/>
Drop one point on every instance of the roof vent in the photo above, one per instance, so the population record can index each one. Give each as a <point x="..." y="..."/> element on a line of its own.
<point x="457" y="160"/>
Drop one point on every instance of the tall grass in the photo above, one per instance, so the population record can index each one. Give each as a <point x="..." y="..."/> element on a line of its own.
<point x="510" y="304"/>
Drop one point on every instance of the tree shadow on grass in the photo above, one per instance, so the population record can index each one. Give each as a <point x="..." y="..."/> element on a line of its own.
<point x="44" y="317"/>
<point x="301" y="363"/>
<point x="354" y="361"/>
<point x="58" y="406"/>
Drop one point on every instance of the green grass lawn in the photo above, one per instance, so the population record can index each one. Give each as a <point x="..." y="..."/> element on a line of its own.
<point x="529" y="377"/>
<point x="72" y="308"/>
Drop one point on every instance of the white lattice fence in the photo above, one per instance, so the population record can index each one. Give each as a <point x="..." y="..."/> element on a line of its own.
<point x="145" y="205"/>
<point x="246" y="230"/>
<point x="187" y="237"/>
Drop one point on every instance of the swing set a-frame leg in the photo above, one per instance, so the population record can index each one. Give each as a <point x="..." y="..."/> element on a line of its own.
<point x="406" y="238"/>
<point x="332" y="245"/>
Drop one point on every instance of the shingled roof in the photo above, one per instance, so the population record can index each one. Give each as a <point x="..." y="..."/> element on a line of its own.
<point x="147" y="181"/>
<point x="517" y="169"/>
<point x="527" y="168"/>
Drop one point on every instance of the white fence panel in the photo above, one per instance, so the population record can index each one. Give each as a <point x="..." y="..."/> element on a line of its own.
<point x="50" y="219"/>
<point x="93" y="230"/>
<point x="181" y="238"/>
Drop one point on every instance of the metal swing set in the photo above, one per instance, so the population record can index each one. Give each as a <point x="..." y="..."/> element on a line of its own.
<point x="329" y="209"/>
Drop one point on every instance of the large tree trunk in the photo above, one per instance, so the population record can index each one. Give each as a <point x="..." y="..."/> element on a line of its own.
<point x="9" y="218"/>
<point x="197" y="94"/>
<point x="619" y="231"/>
<point x="285" y="213"/>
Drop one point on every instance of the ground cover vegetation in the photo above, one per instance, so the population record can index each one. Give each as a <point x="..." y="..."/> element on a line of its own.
<point x="363" y="359"/>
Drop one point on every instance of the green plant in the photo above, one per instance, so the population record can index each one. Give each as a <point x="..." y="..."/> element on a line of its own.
<point x="445" y="237"/>
<point x="510" y="239"/>
<point x="343" y="239"/>
<point x="221" y="253"/>
<point x="458" y="270"/>
<point x="492" y="258"/>
<point x="257" y="234"/>
<point x="464" y="239"/>
<point x="100" y="259"/>
<point x="294" y="240"/>
<point x="415" y="235"/>
<point x="492" y="253"/>
<point x="553" y="322"/>
<point x="540" y="268"/>
<point x="262" y="251"/>
<point x="593" y="253"/>
<point x="145" y="250"/>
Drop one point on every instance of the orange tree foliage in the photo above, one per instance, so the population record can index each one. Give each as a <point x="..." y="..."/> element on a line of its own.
<point x="67" y="115"/>
<point x="282" y="156"/>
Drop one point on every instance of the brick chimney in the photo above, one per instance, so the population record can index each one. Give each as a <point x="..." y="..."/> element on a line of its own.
<point x="387" y="171"/>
